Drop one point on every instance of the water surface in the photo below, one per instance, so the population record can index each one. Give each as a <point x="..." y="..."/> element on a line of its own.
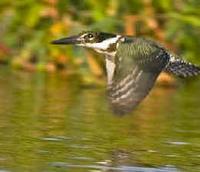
<point x="52" y="123"/>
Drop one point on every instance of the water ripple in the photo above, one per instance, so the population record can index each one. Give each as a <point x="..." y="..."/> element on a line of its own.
<point x="119" y="168"/>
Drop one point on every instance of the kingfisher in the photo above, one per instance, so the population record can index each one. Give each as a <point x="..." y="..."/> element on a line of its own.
<point x="132" y="65"/>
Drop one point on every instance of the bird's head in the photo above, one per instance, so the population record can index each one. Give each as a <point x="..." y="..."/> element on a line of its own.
<point x="104" y="43"/>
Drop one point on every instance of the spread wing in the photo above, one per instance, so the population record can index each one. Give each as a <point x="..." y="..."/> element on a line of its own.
<point x="182" y="68"/>
<point x="136" y="71"/>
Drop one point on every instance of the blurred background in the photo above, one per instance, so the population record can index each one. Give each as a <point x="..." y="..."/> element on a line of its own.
<point x="54" y="114"/>
<point x="28" y="26"/>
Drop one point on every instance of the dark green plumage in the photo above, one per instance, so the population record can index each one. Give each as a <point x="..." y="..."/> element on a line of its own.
<point x="138" y="51"/>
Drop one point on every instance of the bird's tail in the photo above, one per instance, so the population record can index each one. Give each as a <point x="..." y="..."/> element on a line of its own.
<point x="182" y="68"/>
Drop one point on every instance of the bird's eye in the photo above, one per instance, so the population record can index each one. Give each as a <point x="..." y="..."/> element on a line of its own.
<point x="90" y="35"/>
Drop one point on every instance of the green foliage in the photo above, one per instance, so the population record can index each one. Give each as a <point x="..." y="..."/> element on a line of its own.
<point x="28" y="26"/>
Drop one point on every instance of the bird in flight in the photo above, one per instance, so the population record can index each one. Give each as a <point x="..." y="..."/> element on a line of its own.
<point x="132" y="65"/>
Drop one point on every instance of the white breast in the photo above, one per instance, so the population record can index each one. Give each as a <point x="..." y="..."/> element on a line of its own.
<point x="110" y="69"/>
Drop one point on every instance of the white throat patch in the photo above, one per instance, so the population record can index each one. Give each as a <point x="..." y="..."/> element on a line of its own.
<point x="104" y="45"/>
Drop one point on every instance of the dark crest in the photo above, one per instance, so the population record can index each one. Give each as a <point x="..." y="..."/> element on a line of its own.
<point x="95" y="37"/>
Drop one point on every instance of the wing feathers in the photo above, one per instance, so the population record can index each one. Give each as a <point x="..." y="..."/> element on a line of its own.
<point x="125" y="98"/>
<point x="138" y="64"/>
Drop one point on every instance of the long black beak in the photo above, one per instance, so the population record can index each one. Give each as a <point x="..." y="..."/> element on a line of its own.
<point x="68" y="40"/>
